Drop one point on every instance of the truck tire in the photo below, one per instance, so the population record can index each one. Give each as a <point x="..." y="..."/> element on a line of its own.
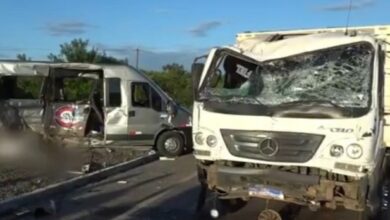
<point x="170" y="144"/>
<point x="382" y="212"/>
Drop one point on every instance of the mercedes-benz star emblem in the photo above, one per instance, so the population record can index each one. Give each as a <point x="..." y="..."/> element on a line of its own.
<point x="268" y="147"/>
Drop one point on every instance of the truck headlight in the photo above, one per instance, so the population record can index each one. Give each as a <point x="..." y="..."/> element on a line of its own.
<point x="199" y="139"/>
<point x="336" y="150"/>
<point x="354" y="151"/>
<point x="211" y="141"/>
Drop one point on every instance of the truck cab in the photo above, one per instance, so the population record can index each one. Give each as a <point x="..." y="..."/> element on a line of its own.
<point x="294" y="116"/>
<point x="105" y="105"/>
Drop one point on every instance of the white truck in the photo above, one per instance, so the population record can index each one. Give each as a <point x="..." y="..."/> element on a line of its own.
<point x="297" y="116"/>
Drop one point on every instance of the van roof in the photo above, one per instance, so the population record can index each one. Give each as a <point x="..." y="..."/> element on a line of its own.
<point x="13" y="67"/>
<point x="40" y="68"/>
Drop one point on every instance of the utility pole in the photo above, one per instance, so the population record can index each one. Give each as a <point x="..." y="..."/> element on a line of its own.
<point x="136" y="58"/>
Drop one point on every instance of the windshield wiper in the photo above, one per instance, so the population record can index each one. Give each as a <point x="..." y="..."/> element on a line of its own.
<point x="233" y="99"/>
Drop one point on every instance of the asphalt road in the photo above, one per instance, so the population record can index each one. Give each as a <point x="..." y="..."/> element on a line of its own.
<point x="161" y="190"/>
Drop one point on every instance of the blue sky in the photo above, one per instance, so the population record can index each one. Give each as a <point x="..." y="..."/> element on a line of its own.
<point x="165" y="30"/>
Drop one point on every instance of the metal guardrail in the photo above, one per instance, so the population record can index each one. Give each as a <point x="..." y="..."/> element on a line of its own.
<point x="47" y="193"/>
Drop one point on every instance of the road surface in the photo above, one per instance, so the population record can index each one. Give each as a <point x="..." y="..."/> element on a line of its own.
<point x="159" y="190"/>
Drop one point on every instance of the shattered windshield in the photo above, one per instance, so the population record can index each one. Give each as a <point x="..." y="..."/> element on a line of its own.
<point x="339" y="76"/>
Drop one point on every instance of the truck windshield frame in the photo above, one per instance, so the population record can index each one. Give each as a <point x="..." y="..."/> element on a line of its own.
<point x="334" y="82"/>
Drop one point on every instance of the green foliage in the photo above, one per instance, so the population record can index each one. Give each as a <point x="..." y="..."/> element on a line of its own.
<point x="79" y="51"/>
<point x="23" y="57"/>
<point x="77" y="89"/>
<point x="175" y="81"/>
<point x="30" y="85"/>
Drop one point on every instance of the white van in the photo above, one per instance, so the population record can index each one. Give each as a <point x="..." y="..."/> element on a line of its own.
<point x="96" y="104"/>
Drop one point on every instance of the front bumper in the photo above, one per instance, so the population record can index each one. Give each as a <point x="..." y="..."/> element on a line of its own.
<point x="323" y="189"/>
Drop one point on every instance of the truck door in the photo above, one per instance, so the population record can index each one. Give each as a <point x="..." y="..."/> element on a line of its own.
<point x="145" y="113"/>
<point x="116" y="110"/>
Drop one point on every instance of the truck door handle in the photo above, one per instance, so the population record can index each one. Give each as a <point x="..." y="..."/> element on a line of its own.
<point x="131" y="113"/>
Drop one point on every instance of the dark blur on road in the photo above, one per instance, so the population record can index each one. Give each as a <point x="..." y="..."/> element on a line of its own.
<point x="161" y="190"/>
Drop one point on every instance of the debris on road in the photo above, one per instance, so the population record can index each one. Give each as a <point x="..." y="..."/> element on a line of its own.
<point x="167" y="158"/>
<point x="17" y="180"/>
<point x="122" y="182"/>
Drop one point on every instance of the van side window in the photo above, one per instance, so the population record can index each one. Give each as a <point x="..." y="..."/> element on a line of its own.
<point x="156" y="101"/>
<point x="114" y="92"/>
<point x="140" y="96"/>
<point x="20" y="87"/>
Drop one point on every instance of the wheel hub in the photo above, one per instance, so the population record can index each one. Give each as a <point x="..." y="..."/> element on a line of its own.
<point x="171" y="144"/>
<point x="269" y="214"/>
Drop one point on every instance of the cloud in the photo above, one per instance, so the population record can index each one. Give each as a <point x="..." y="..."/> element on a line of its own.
<point x="345" y="6"/>
<point x="153" y="58"/>
<point x="68" y="28"/>
<point x="204" y="28"/>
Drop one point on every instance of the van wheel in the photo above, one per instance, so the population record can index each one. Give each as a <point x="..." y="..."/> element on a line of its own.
<point x="170" y="144"/>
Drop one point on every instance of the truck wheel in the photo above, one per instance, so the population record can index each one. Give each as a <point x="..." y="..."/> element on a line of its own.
<point x="382" y="212"/>
<point x="269" y="214"/>
<point x="170" y="144"/>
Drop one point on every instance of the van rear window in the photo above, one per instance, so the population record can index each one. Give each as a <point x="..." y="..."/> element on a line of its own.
<point x="20" y="87"/>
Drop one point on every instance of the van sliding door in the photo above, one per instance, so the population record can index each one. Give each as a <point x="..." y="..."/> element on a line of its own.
<point x="145" y="113"/>
<point x="116" y="114"/>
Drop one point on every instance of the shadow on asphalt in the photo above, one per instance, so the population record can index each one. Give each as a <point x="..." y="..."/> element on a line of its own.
<point x="179" y="206"/>
<point x="95" y="210"/>
<point x="183" y="206"/>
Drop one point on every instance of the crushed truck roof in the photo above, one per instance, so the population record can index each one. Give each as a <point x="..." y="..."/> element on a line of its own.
<point x="261" y="50"/>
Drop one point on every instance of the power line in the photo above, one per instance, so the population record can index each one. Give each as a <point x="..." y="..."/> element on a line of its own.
<point x="136" y="58"/>
<point x="24" y="49"/>
<point x="348" y="16"/>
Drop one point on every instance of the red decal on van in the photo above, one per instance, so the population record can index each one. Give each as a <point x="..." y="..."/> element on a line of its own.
<point x="64" y="116"/>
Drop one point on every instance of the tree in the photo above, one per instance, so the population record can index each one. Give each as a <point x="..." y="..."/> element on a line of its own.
<point x="79" y="51"/>
<point x="176" y="81"/>
<point x="23" y="57"/>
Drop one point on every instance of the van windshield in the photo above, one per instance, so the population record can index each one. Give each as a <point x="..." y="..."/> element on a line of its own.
<point x="337" y="78"/>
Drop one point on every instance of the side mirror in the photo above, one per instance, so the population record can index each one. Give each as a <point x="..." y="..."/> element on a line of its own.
<point x="171" y="108"/>
<point x="196" y="71"/>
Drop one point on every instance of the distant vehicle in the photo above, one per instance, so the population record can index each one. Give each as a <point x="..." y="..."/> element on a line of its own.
<point x="300" y="116"/>
<point x="98" y="105"/>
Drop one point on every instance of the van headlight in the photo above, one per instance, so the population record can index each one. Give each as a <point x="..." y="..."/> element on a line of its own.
<point x="336" y="150"/>
<point x="211" y="141"/>
<point x="199" y="138"/>
<point x="354" y="151"/>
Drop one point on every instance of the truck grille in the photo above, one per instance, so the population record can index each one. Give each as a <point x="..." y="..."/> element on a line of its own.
<point x="272" y="146"/>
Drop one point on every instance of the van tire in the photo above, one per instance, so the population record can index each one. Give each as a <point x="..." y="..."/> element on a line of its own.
<point x="170" y="144"/>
